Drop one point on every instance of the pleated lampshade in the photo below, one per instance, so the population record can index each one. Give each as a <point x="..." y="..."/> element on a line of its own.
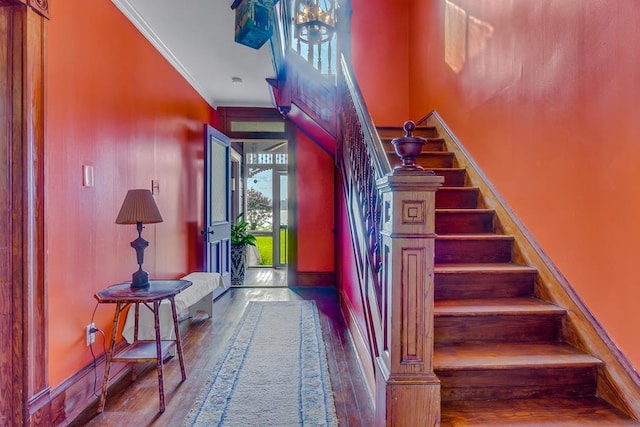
<point x="139" y="206"/>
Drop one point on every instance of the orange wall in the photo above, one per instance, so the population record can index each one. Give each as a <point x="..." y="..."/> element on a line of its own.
<point x="315" y="207"/>
<point x="381" y="58"/>
<point x="546" y="101"/>
<point x="114" y="103"/>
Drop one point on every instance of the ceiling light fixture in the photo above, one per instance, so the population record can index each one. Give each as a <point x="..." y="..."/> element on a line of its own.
<point x="315" y="20"/>
<point x="254" y="21"/>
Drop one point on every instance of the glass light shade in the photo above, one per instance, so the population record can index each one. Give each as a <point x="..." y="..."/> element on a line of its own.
<point x="139" y="206"/>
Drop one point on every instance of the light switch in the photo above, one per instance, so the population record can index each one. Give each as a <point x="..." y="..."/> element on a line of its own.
<point x="155" y="186"/>
<point x="87" y="176"/>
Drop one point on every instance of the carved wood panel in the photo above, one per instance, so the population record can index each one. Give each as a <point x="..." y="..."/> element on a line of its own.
<point x="23" y="375"/>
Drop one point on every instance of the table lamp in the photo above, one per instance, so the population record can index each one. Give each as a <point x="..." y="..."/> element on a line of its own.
<point x="139" y="208"/>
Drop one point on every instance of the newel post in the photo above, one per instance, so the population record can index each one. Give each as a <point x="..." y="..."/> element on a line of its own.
<point x="407" y="390"/>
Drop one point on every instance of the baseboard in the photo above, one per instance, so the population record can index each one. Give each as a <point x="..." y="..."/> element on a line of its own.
<point x="618" y="382"/>
<point x="81" y="391"/>
<point x="312" y="279"/>
<point x="359" y="340"/>
<point x="40" y="409"/>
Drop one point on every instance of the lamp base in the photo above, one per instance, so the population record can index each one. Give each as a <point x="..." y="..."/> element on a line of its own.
<point x="140" y="280"/>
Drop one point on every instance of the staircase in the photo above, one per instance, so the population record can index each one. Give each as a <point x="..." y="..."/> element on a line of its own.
<point x="499" y="350"/>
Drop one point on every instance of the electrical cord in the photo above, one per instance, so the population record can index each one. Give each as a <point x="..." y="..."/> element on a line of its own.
<point x="93" y="355"/>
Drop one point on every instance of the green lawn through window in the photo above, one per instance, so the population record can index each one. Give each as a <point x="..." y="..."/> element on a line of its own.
<point x="265" y="247"/>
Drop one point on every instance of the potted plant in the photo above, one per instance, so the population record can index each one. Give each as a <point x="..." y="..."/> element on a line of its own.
<point x="240" y="238"/>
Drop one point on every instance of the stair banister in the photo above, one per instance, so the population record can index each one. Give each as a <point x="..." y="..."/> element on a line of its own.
<point x="391" y="218"/>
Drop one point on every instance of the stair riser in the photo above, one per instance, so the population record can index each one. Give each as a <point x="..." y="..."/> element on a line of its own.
<point x="517" y="383"/>
<point x="466" y="198"/>
<point x="483" y="285"/>
<point x="461" y="223"/>
<point x="427" y="160"/>
<point x="497" y="328"/>
<point x="453" y="177"/>
<point x="430" y="145"/>
<point x="473" y="251"/>
<point x="393" y="132"/>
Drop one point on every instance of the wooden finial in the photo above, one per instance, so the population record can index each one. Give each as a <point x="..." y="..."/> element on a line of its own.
<point x="409" y="126"/>
<point x="408" y="149"/>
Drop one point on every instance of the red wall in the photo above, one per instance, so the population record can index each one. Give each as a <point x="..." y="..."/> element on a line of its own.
<point x="113" y="103"/>
<point x="315" y="209"/>
<point x="544" y="95"/>
<point x="347" y="271"/>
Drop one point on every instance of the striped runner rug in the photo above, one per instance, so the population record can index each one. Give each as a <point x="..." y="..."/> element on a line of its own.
<point x="273" y="373"/>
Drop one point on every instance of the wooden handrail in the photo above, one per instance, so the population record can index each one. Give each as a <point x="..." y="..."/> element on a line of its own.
<point x="378" y="155"/>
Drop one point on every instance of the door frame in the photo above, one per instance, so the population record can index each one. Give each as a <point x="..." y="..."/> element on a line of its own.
<point x="24" y="382"/>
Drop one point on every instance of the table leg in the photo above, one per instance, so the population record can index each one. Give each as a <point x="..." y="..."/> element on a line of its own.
<point x="178" y="339"/>
<point x="107" y="365"/>
<point x="156" y="321"/>
<point x="134" y="366"/>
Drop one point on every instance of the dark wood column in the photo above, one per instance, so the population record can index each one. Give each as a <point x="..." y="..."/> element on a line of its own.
<point x="23" y="366"/>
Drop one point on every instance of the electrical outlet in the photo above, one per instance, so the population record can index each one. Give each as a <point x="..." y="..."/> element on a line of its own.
<point x="91" y="336"/>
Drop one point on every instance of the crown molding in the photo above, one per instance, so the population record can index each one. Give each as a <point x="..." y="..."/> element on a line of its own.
<point x="143" y="26"/>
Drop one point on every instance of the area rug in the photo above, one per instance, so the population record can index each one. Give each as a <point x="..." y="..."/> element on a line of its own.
<point x="273" y="373"/>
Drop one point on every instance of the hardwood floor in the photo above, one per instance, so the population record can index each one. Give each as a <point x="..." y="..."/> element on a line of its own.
<point x="136" y="403"/>
<point x="265" y="277"/>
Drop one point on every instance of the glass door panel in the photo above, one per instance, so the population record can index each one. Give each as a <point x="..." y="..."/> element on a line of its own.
<point x="266" y="198"/>
<point x="283" y="217"/>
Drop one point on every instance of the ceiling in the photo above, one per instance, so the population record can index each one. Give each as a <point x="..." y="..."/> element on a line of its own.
<point x="196" y="37"/>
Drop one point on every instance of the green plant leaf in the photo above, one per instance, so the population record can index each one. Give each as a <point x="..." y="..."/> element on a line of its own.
<point x="240" y="234"/>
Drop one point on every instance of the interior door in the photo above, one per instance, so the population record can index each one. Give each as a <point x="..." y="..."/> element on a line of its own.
<point x="217" y="204"/>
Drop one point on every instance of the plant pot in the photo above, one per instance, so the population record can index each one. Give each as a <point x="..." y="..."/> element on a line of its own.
<point x="238" y="263"/>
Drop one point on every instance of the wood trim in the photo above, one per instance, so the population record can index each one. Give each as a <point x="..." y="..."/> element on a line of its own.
<point x="227" y="115"/>
<point x="618" y="382"/>
<point x="359" y="340"/>
<point x="23" y="380"/>
<point x="11" y="405"/>
<point x="40" y="6"/>
<point x="73" y="400"/>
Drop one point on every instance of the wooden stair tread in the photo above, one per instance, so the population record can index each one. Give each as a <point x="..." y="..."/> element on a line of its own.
<point x="475" y="236"/>
<point x="398" y="131"/>
<point x="504" y="268"/>
<point x="498" y="306"/>
<point x="465" y="189"/>
<point x="478" y="356"/>
<point x="462" y="210"/>
<point x="386" y="140"/>
<point x="425" y="153"/>
<point x="585" y="411"/>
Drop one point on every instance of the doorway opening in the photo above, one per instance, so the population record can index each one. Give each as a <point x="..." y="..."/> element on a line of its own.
<point x="266" y="201"/>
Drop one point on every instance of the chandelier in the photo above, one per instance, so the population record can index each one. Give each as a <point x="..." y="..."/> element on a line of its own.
<point x="315" y="20"/>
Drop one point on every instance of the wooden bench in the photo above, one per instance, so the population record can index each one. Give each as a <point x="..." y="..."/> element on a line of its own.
<point x="197" y="297"/>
